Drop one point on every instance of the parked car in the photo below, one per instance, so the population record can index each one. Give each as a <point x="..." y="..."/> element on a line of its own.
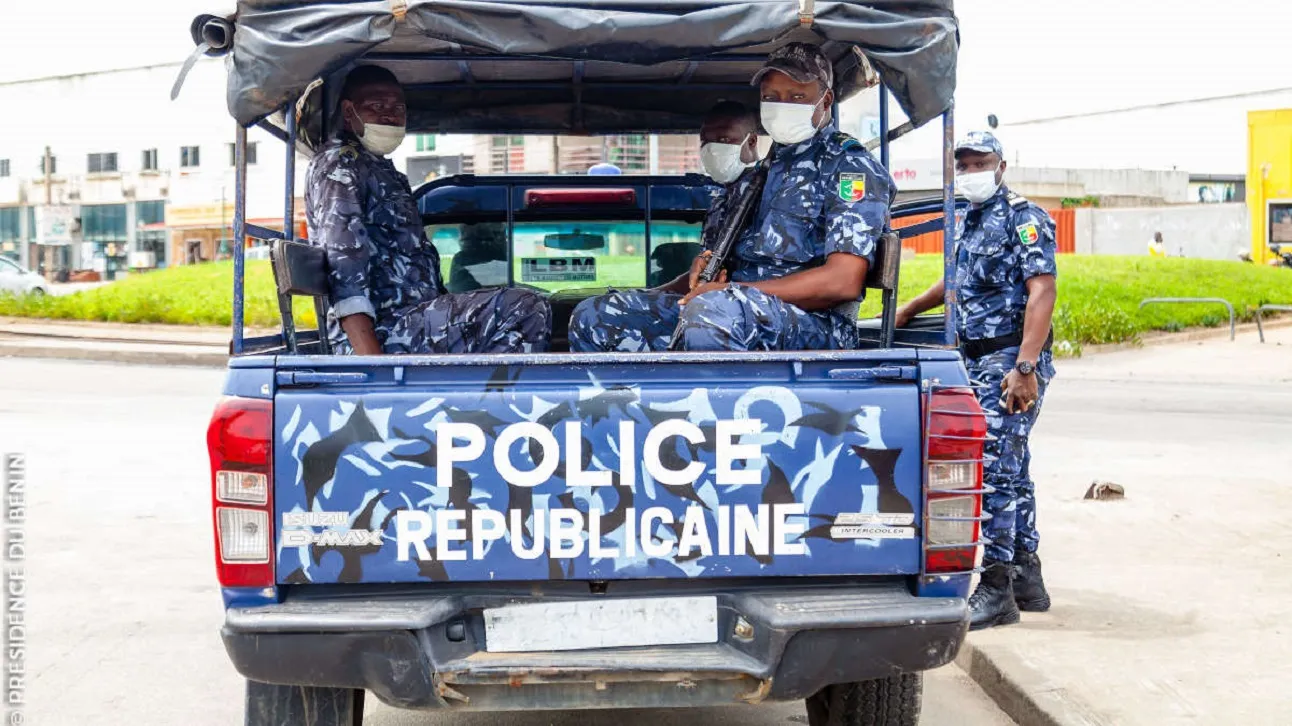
<point x="18" y="280"/>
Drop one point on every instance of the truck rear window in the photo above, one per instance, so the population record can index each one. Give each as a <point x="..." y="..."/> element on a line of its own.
<point x="564" y="255"/>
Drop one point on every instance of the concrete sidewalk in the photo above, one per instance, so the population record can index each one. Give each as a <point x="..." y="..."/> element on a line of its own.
<point x="117" y="342"/>
<point x="1170" y="606"/>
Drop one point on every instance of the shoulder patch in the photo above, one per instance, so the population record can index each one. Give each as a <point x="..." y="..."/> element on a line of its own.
<point x="348" y="152"/>
<point x="1017" y="201"/>
<point x="1027" y="233"/>
<point x="852" y="187"/>
<point x="847" y="142"/>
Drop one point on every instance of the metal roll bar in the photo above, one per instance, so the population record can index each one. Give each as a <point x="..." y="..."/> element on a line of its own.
<point x="1260" y="327"/>
<point x="1216" y="300"/>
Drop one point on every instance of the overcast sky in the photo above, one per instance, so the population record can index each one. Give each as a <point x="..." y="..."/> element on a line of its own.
<point x="1021" y="59"/>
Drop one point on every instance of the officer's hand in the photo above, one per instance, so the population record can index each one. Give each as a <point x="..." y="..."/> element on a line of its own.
<point x="1020" y="392"/>
<point x="697" y="267"/>
<point x="705" y="287"/>
<point x="904" y="316"/>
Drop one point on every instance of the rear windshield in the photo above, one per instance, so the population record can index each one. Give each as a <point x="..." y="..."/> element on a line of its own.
<point x="564" y="255"/>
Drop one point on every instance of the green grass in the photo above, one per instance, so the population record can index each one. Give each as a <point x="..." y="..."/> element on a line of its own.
<point x="1098" y="296"/>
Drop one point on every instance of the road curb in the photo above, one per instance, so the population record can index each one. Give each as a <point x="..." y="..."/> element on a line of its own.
<point x="1188" y="336"/>
<point x="134" y="357"/>
<point x="1024" y="693"/>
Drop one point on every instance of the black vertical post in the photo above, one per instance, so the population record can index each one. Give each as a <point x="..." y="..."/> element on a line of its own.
<point x="949" y="223"/>
<point x="888" y="326"/>
<point x="239" y="233"/>
<point x="289" y="219"/>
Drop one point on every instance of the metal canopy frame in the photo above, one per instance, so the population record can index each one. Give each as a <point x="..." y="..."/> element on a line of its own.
<point x="289" y="135"/>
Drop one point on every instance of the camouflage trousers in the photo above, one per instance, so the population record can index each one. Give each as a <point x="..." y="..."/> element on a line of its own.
<point x="734" y="318"/>
<point x="481" y="321"/>
<point x="1013" y="505"/>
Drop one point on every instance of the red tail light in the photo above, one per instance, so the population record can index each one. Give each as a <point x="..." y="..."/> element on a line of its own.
<point x="240" y="442"/>
<point x="539" y="198"/>
<point x="956" y="434"/>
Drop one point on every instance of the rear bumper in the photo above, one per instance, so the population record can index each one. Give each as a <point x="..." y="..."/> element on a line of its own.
<point x="428" y="652"/>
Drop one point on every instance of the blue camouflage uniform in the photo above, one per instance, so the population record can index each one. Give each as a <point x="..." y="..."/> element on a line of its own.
<point x="1000" y="244"/>
<point x="824" y="195"/>
<point x="380" y="263"/>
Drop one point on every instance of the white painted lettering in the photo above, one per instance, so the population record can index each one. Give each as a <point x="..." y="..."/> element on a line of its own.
<point x="449" y="453"/>
<point x="535" y="550"/>
<point x="448" y="528"/>
<point x="412" y="528"/>
<point x="782" y="529"/>
<point x="728" y="452"/>
<point x="628" y="454"/>
<point x="547" y="444"/>
<point x="656" y="439"/>
<point x="575" y="476"/>
<point x="695" y="533"/>
<point x="567" y="534"/>
<point x="651" y="518"/>
<point x="595" y="550"/>
<point x="487" y="526"/>
<point x="724" y="531"/>
<point x="752" y="530"/>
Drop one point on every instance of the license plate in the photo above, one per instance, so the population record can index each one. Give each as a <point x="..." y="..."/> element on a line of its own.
<point x="586" y="624"/>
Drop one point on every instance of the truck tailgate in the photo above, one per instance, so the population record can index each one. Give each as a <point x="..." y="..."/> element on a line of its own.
<point x="548" y="469"/>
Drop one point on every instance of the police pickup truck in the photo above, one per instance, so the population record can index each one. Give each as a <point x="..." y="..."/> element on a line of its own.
<point x="572" y="531"/>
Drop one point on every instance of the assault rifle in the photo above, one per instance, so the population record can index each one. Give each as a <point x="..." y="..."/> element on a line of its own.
<point x="732" y="226"/>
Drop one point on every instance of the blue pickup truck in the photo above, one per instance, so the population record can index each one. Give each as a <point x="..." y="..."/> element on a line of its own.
<point x="569" y="531"/>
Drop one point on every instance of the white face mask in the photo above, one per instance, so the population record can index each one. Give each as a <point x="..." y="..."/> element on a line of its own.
<point x="722" y="161"/>
<point x="979" y="186"/>
<point x="789" y="123"/>
<point x="764" y="146"/>
<point x="380" y="139"/>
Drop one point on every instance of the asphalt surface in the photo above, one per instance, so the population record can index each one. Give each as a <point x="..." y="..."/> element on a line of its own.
<point x="124" y="610"/>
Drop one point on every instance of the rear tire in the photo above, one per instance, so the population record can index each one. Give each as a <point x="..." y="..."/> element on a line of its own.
<point x="893" y="701"/>
<point x="274" y="705"/>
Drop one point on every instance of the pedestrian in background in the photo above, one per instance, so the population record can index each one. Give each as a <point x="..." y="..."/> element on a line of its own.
<point x="1157" y="246"/>
<point x="1005" y="282"/>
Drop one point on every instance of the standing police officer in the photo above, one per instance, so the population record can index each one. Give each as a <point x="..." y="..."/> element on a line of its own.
<point x="386" y="290"/>
<point x="1005" y="287"/>
<point x="800" y="266"/>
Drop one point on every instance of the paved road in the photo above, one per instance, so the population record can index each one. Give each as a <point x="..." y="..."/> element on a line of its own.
<point x="124" y="611"/>
<point x="1170" y="606"/>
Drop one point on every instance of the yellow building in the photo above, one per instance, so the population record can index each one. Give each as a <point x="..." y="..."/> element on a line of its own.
<point x="201" y="233"/>
<point x="1269" y="180"/>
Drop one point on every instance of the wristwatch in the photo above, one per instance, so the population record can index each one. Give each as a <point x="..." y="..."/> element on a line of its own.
<point x="1025" y="368"/>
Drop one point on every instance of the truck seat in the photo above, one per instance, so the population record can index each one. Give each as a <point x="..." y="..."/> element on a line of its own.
<point x="667" y="261"/>
<point x="300" y="269"/>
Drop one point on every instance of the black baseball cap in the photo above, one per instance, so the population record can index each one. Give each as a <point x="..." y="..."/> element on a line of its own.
<point x="803" y="62"/>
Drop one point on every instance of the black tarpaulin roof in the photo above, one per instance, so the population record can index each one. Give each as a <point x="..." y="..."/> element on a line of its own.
<point x="579" y="66"/>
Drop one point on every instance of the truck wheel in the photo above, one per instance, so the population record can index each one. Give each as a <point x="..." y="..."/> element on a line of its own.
<point x="891" y="701"/>
<point x="274" y="705"/>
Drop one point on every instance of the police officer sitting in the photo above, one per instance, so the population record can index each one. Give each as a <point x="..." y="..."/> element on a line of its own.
<point x="1005" y="282"/>
<point x="799" y="267"/>
<point x="387" y="294"/>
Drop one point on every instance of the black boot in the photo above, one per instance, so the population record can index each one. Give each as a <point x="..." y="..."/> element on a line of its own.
<point x="1029" y="588"/>
<point x="993" y="602"/>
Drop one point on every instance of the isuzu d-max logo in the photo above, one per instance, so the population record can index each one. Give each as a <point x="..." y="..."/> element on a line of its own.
<point x="332" y="538"/>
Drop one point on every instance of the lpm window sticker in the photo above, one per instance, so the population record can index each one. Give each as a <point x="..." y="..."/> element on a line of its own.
<point x="558" y="269"/>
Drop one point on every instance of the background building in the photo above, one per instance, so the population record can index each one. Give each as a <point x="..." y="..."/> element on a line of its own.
<point x="1118" y="104"/>
<point x="149" y="183"/>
